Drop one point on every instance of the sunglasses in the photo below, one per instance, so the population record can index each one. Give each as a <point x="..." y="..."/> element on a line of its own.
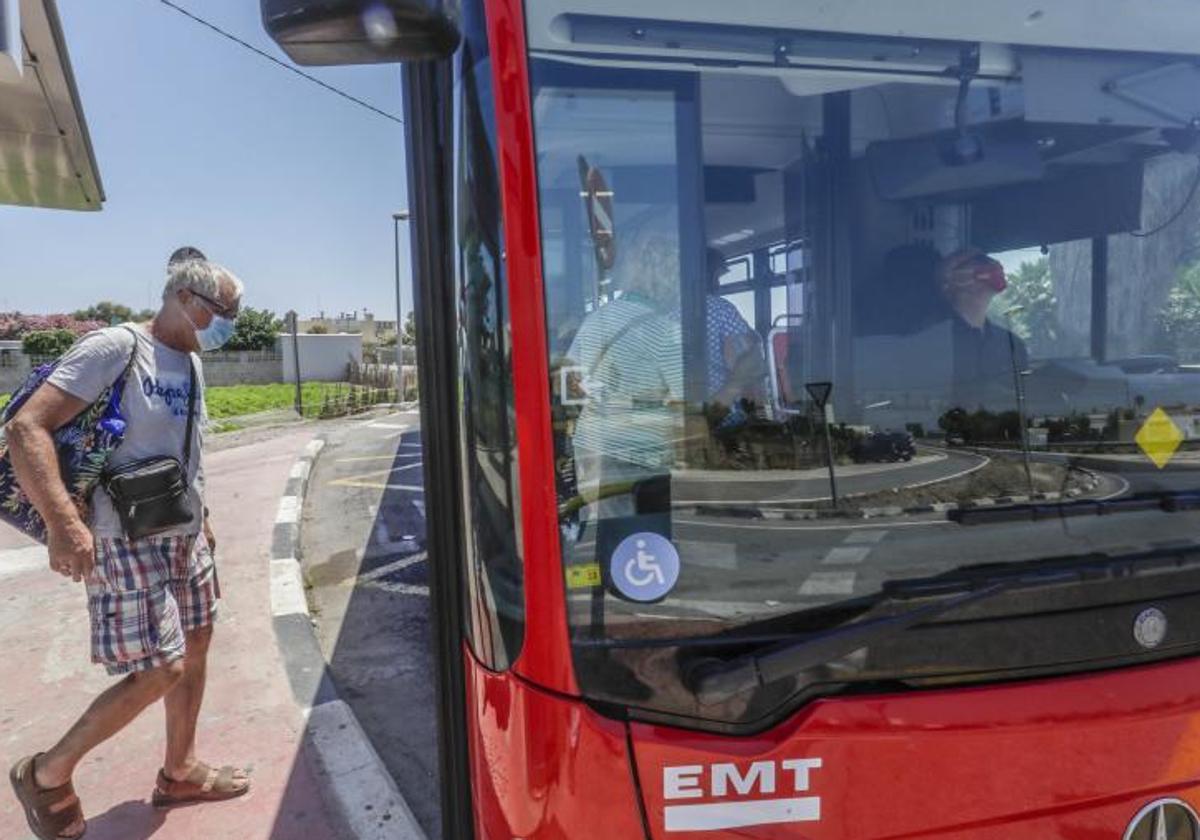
<point x="216" y="307"/>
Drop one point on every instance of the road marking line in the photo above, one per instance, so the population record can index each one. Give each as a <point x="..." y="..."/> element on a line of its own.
<point x="976" y="468"/>
<point x="866" y="536"/>
<point x="289" y="510"/>
<point x="357" y="480"/>
<point x="398" y="565"/>
<point x="1124" y="489"/>
<point x="766" y="526"/>
<point x="400" y="588"/>
<point x="984" y="461"/>
<point x="847" y="554"/>
<point x="377" y="457"/>
<point x="829" y="583"/>
<point x="378" y="485"/>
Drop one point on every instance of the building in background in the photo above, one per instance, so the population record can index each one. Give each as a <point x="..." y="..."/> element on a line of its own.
<point x="371" y="330"/>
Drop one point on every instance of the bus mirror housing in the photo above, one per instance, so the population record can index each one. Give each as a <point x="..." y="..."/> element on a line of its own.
<point x="328" y="32"/>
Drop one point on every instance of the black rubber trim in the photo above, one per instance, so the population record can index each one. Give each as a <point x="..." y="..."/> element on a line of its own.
<point x="638" y="793"/>
<point x="428" y="96"/>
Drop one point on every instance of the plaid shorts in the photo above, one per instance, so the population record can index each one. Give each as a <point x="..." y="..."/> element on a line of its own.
<point x="144" y="595"/>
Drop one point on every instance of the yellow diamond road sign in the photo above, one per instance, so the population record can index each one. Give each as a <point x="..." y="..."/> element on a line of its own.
<point x="1159" y="437"/>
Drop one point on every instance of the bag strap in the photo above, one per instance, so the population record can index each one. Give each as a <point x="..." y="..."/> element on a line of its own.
<point x="124" y="377"/>
<point x="187" y="441"/>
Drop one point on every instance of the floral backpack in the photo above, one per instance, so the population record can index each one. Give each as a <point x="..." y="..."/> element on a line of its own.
<point x="84" y="446"/>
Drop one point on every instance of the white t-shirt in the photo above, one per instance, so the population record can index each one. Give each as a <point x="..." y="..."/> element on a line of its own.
<point x="154" y="405"/>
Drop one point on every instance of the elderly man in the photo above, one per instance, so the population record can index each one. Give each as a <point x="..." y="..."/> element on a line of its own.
<point x="152" y="601"/>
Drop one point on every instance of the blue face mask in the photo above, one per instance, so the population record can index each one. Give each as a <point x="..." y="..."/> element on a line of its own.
<point x="214" y="336"/>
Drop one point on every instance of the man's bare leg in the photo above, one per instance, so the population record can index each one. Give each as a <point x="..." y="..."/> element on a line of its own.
<point x="183" y="709"/>
<point x="108" y="714"/>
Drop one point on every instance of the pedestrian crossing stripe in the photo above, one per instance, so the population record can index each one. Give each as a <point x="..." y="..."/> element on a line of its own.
<point x="584" y="576"/>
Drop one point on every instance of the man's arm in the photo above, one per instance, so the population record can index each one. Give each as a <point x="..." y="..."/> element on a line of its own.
<point x="35" y="460"/>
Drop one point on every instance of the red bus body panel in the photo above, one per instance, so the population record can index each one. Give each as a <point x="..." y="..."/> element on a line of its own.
<point x="1072" y="758"/>
<point x="545" y="656"/>
<point x="545" y="766"/>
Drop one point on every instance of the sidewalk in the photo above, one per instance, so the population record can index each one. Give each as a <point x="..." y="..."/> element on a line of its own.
<point x="249" y="716"/>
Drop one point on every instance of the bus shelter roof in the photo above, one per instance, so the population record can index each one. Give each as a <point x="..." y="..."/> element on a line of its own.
<point x="46" y="156"/>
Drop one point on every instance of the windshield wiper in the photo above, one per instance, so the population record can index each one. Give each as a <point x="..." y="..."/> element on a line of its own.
<point x="716" y="680"/>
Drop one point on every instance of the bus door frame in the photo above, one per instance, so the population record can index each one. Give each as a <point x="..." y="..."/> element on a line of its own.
<point x="428" y="89"/>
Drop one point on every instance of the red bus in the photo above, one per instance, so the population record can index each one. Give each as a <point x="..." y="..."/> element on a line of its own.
<point x="810" y="402"/>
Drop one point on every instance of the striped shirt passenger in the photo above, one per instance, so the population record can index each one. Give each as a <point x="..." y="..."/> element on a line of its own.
<point x="630" y="361"/>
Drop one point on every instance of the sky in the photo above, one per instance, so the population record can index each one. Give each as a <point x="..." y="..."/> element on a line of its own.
<point x="201" y="142"/>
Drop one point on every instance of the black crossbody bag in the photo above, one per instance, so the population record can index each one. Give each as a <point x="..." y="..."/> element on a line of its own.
<point x="151" y="495"/>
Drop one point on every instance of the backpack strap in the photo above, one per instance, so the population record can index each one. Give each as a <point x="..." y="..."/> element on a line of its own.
<point x="187" y="440"/>
<point x="132" y="355"/>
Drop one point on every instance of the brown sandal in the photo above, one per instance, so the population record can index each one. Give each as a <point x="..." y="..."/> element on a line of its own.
<point x="37" y="802"/>
<point x="203" y="784"/>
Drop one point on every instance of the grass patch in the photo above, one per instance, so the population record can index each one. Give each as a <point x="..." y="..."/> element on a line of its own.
<point x="320" y="399"/>
<point x="234" y="400"/>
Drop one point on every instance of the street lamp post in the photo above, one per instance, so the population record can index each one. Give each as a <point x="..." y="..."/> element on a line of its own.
<point x="397" y="218"/>
<point x="1020" y="395"/>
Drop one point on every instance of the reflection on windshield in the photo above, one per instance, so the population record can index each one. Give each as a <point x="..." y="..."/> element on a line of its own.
<point x="1002" y="304"/>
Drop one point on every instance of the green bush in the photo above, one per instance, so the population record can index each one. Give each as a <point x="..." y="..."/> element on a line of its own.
<point x="47" y="342"/>
<point x="255" y="329"/>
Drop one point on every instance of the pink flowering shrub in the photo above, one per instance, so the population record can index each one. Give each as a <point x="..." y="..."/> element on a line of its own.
<point x="14" y="325"/>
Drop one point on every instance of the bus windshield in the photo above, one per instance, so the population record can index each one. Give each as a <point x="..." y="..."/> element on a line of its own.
<point x="830" y="311"/>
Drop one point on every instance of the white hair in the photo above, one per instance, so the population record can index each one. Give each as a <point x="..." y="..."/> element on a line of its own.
<point x="202" y="277"/>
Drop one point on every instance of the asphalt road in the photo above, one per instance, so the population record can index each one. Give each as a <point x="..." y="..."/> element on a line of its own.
<point x="801" y="486"/>
<point x="363" y="553"/>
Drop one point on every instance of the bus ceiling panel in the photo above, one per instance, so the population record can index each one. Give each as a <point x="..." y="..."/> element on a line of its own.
<point x="1125" y="90"/>
<point x="999" y="153"/>
<point x="1163" y="26"/>
<point x="46" y="157"/>
<point x="781" y="45"/>
<point x="798" y="80"/>
<point x="1089" y="202"/>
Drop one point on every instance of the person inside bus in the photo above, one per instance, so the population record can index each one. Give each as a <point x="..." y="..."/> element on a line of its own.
<point x="735" y="368"/>
<point x="626" y="364"/>
<point x="935" y="301"/>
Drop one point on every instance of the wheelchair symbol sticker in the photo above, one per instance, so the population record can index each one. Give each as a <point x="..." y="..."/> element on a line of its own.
<point x="645" y="567"/>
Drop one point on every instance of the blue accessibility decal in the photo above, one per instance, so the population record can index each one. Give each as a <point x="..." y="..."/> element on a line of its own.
<point x="645" y="567"/>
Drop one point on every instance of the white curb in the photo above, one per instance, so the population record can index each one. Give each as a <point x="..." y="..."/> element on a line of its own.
<point x="357" y="784"/>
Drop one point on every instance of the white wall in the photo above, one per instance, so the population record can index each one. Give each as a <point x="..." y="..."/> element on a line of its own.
<point x="322" y="357"/>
